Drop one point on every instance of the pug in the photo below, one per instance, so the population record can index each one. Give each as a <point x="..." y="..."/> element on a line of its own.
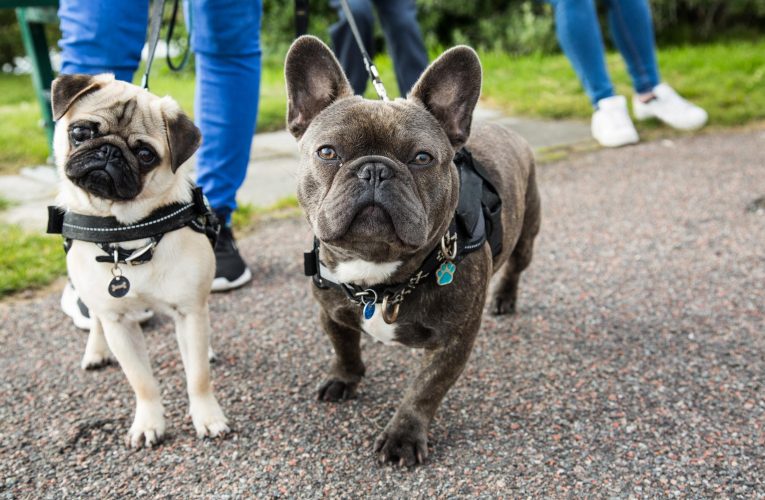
<point x="121" y="154"/>
<point x="381" y="190"/>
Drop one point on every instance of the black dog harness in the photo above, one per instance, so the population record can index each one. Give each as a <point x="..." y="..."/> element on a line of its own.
<point x="476" y="221"/>
<point x="108" y="232"/>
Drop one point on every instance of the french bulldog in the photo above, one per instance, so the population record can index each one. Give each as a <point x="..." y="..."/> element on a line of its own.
<point x="122" y="152"/>
<point x="379" y="188"/>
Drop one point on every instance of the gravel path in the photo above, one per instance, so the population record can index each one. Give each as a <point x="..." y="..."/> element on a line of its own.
<point x="635" y="367"/>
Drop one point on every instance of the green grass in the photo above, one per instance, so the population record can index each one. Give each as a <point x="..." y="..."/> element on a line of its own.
<point x="247" y="215"/>
<point x="726" y="78"/>
<point x="28" y="260"/>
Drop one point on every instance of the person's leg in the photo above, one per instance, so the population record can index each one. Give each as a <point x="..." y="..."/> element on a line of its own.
<point x="402" y="32"/>
<point x="344" y="44"/>
<point x="103" y="36"/>
<point x="578" y="30"/>
<point x="226" y="41"/>
<point x="632" y="31"/>
<point x="579" y="35"/>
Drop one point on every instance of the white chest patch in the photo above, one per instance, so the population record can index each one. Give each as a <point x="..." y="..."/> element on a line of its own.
<point x="378" y="328"/>
<point x="362" y="272"/>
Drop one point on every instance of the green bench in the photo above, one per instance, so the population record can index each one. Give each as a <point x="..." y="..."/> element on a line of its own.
<point x="32" y="16"/>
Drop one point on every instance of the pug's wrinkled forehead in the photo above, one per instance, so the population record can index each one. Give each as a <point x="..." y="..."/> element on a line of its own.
<point x="111" y="107"/>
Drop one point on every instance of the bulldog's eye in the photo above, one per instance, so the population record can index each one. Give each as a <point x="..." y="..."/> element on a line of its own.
<point x="421" y="159"/>
<point x="327" y="153"/>
<point x="146" y="156"/>
<point x="81" y="134"/>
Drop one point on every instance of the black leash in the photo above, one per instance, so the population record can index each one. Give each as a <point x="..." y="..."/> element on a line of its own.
<point x="155" y="26"/>
<point x="374" y="75"/>
<point x="170" y="30"/>
<point x="301" y="17"/>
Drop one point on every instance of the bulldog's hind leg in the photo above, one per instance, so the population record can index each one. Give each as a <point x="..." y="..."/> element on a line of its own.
<point x="97" y="354"/>
<point x="126" y="341"/>
<point x="506" y="290"/>
<point x="193" y="332"/>
<point x="347" y="369"/>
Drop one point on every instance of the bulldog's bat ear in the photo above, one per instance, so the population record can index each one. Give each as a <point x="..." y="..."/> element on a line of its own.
<point x="183" y="138"/>
<point x="66" y="89"/>
<point x="314" y="81"/>
<point x="449" y="88"/>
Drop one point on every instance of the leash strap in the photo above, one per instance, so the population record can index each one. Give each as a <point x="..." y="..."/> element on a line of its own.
<point x="371" y="68"/>
<point x="155" y="24"/>
<point x="301" y="17"/>
<point x="170" y="30"/>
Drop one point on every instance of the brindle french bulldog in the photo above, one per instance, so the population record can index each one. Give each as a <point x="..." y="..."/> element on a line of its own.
<point x="379" y="187"/>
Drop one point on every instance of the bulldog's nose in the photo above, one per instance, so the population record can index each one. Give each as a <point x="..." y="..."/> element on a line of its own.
<point x="109" y="151"/>
<point x="374" y="173"/>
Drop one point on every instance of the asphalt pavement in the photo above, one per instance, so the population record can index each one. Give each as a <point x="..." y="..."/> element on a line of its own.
<point x="635" y="366"/>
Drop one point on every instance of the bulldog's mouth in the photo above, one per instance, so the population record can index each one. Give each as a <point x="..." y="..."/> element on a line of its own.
<point x="372" y="221"/>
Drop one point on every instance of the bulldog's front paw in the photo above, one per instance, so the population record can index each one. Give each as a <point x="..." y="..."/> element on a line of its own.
<point x="208" y="418"/>
<point x="334" y="389"/>
<point x="403" y="442"/>
<point x="502" y="304"/>
<point x="148" y="426"/>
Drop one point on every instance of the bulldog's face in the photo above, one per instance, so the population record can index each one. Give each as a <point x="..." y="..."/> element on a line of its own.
<point x="376" y="178"/>
<point x="114" y="139"/>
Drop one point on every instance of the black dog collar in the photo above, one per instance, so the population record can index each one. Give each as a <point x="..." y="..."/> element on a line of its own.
<point x="476" y="221"/>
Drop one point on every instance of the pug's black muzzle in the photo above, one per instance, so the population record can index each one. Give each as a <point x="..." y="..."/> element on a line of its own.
<point x="104" y="170"/>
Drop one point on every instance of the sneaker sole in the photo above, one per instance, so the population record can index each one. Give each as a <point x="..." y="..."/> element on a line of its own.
<point x="223" y="285"/>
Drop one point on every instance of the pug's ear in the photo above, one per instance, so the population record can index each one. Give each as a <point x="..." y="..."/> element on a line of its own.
<point x="449" y="88"/>
<point x="183" y="138"/>
<point x="314" y="81"/>
<point x="66" y="89"/>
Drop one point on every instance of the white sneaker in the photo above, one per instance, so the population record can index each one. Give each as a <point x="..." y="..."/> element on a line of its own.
<point x="78" y="311"/>
<point x="670" y="108"/>
<point x="611" y="123"/>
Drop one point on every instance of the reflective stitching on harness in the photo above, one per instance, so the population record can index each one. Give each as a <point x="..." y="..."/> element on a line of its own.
<point x="134" y="226"/>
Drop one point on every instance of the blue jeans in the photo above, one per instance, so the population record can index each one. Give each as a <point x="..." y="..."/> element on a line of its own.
<point x="578" y="30"/>
<point x="402" y="34"/>
<point x="106" y="36"/>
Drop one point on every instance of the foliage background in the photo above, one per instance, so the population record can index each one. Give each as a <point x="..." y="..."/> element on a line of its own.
<point x="515" y="26"/>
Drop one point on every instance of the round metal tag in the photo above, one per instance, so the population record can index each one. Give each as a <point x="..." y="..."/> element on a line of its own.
<point x="119" y="286"/>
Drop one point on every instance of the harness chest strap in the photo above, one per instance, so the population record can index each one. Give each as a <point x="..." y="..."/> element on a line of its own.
<point x="106" y="232"/>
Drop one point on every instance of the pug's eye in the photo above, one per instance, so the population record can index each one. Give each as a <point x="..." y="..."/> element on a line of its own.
<point x="327" y="153"/>
<point x="421" y="159"/>
<point x="146" y="156"/>
<point x="81" y="134"/>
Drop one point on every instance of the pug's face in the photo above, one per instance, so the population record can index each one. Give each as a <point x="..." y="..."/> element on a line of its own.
<point x="376" y="179"/>
<point x="114" y="139"/>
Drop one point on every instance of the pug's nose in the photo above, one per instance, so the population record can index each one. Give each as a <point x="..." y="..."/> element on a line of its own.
<point x="375" y="173"/>
<point x="109" y="151"/>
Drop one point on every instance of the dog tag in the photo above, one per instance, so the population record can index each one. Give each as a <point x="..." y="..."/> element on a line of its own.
<point x="369" y="310"/>
<point x="445" y="273"/>
<point x="119" y="286"/>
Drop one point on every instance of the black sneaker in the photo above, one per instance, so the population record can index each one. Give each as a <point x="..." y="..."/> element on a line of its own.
<point x="230" y="270"/>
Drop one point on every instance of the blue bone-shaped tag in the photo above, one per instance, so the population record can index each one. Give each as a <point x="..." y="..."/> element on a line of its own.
<point x="445" y="273"/>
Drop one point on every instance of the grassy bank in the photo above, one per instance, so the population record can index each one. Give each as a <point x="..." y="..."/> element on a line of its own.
<point x="728" y="79"/>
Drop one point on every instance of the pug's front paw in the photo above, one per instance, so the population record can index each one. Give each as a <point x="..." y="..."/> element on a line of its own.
<point x="208" y="418"/>
<point x="334" y="389"/>
<point x="148" y="426"/>
<point x="403" y="442"/>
